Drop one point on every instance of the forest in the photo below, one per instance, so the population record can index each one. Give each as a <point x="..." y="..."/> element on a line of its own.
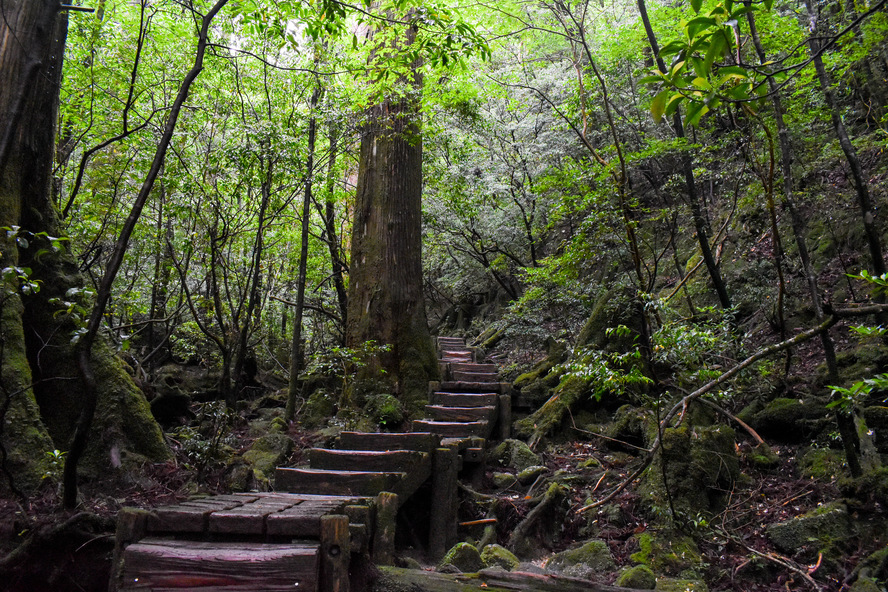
<point x="233" y="229"/>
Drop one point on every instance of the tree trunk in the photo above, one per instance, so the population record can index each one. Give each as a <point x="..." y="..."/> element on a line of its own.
<point x="385" y="300"/>
<point x="35" y="339"/>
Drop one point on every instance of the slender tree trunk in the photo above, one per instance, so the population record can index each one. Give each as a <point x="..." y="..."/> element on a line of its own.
<point x="700" y="225"/>
<point x="293" y="386"/>
<point x="334" y="245"/>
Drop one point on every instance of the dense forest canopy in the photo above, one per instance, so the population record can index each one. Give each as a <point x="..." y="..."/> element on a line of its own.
<point x="637" y="203"/>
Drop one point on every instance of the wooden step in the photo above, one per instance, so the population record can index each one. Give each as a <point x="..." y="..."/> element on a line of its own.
<point x="478" y="429"/>
<point x="451" y="340"/>
<point x="380" y="461"/>
<point x="423" y="442"/>
<point x="464" y="399"/>
<point x="471" y="367"/>
<point x="463" y="414"/>
<point x="164" y="564"/>
<point x="475" y="377"/>
<point x="323" y="482"/>
<point x="455" y="386"/>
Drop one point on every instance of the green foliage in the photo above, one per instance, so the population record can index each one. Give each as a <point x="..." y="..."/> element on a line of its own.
<point x="345" y="362"/>
<point x="209" y="443"/>
<point x="695" y="351"/>
<point x="55" y="464"/>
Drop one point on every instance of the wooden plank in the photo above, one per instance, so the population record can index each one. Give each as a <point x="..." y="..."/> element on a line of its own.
<point x="179" y="519"/>
<point x="335" y="553"/>
<point x="504" y="420"/>
<point x="245" y="519"/>
<point x="455" y="386"/>
<point x="421" y="441"/>
<point x="303" y="520"/>
<point x="132" y="524"/>
<point x="163" y="564"/>
<point x="471" y="367"/>
<point x="384" y="534"/>
<point x="335" y="482"/>
<point x="442" y="522"/>
<point x="465" y="399"/>
<point x="442" y="413"/>
<point x="383" y="461"/>
<point x="485" y="377"/>
<point x="479" y="429"/>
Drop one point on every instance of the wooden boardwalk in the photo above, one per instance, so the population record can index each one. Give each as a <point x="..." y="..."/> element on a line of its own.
<point x="343" y="504"/>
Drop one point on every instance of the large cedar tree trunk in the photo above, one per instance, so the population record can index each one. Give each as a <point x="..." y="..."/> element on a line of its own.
<point x="385" y="300"/>
<point x="37" y="354"/>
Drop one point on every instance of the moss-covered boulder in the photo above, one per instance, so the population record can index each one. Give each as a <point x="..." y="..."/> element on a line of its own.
<point x="592" y="557"/>
<point x="497" y="555"/>
<point x="267" y="453"/>
<point x="668" y="552"/>
<point x="820" y="531"/>
<point x="514" y="454"/>
<point x="320" y="406"/>
<point x="635" y="426"/>
<point x="872" y="486"/>
<point x="823" y="464"/>
<point x="531" y="474"/>
<point x="680" y="585"/>
<point x="464" y="557"/>
<point x="695" y="468"/>
<point x="384" y="410"/>
<point x="876" y="417"/>
<point x="640" y="577"/>
<point x="790" y="420"/>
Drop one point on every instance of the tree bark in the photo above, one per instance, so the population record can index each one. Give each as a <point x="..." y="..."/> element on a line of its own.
<point x="385" y="300"/>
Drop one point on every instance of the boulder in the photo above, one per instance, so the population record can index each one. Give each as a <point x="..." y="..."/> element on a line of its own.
<point x="593" y="557"/>
<point x="514" y="454"/>
<point x="816" y="531"/>
<point x="464" y="557"/>
<point x="497" y="555"/>
<point x="640" y="577"/>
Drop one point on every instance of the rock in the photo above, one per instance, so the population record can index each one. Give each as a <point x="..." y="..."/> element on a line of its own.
<point x="819" y="529"/>
<point x="530" y="474"/>
<point x="632" y="425"/>
<point x="668" y="552"/>
<point x="679" y="585"/>
<point x="497" y="555"/>
<point x="592" y="557"/>
<point x="697" y="466"/>
<point x="514" y="454"/>
<point x="763" y="457"/>
<point x="464" y="557"/>
<point x="865" y="585"/>
<point x="267" y="453"/>
<point x="822" y="464"/>
<point x="640" y="577"/>
<point x="504" y="480"/>
<point x="790" y="420"/>
<point x="876" y="418"/>
<point x="172" y="408"/>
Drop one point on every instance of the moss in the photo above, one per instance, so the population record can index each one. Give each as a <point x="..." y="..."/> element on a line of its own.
<point x="547" y="418"/>
<point x="514" y="454"/>
<point x="791" y="420"/>
<point x="865" y="585"/>
<point x="592" y="557"/>
<point x="680" y="585"/>
<point x="384" y="410"/>
<point x="694" y="470"/>
<point x="497" y="555"/>
<point x="640" y="577"/>
<point x="531" y="474"/>
<point x="871" y="486"/>
<point x="267" y="453"/>
<point x="633" y="425"/>
<point x="822" y="464"/>
<point x="763" y="457"/>
<point x="464" y="557"/>
<point x="669" y="553"/>
<point x="820" y="531"/>
<point x="876" y="417"/>
<point x="319" y="407"/>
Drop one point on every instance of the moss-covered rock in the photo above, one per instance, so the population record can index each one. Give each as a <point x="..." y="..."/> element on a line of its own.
<point x="823" y="464"/>
<point x="790" y="420"/>
<point x="872" y="486"/>
<point x="504" y="480"/>
<point x="640" y="577"/>
<point x="464" y="557"/>
<point x="876" y="417"/>
<point x="591" y="557"/>
<point x="764" y="457"/>
<point x="497" y="555"/>
<point x="695" y="468"/>
<point x="818" y="531"/>
<point x="634" y="425"/>
<point x="267" y="453"/>
<point x="384" y="410"/>
<point x="320" y="406"/>
<point x="865" y="585"/>
<point x="514" y="454"/>
<point x="668" y="552"/>
<point x="531" y="474"/>
<point x="680" y="585"/>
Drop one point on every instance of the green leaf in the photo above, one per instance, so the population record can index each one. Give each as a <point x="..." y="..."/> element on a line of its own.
<point x="671" y="48"/>
<point x="716" y="50"/>
<point x="695" y="112"/>
<point x="656" y="78"/>
<point x="696" y="5"/>
<point x="697" y="24"/>
<point x="701" y="83"/>
<point x="658" y="105"/>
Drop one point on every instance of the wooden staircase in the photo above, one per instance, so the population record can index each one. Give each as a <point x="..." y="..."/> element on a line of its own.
<point x="345" y="501"/>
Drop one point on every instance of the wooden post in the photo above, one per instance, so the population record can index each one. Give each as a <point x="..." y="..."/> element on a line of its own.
<point x="335" y="553"/>
<point x="442" y="527"/>
<point x="131" y="527"/>
<point x="505" y="417"/>
<point x="384" y="535"/>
